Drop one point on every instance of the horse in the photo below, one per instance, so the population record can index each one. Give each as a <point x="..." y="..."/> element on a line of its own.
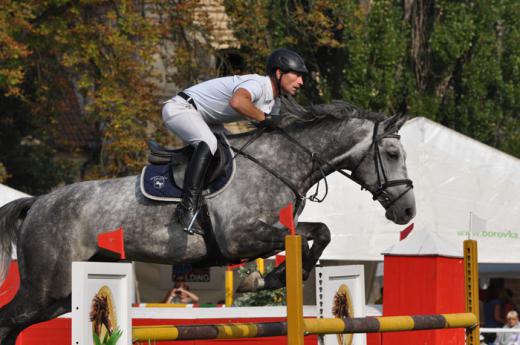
<point x="100" y="315"/>
<point x="273" y="167"/>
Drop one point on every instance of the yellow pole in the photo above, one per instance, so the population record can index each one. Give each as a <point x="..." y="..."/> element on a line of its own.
<point x="471" y="279"/>
<point x="229" y="287"/>
<point x="260" y="265"/>
<point x="294" y="289"/>
<point x="388" y="323"/>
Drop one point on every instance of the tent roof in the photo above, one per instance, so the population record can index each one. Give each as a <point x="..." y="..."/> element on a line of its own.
<point x="424" y="243"/>
<point x="8" y="194"/>
<point x="453" y="175"/>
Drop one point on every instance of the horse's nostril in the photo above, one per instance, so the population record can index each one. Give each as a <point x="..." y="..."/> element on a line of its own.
<point x="409" y="212"/>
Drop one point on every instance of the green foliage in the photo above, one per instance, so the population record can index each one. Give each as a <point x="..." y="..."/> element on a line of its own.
<point x="39" y="170"/>
<point x="3" y="173"/>
<point x="108" y="340"/>
<point x="97" y="341"/>
<point x="260" y="298"/>
<point x="456" y="62"/>
<point x="92" y="63"/>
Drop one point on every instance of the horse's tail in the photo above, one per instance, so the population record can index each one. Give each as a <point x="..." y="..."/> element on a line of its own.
<point x="11" y="218"/>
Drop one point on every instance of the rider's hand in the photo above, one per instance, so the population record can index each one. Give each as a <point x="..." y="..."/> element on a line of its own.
<point x="269" y="122"/>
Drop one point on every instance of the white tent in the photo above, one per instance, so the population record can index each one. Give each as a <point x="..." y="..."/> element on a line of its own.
<point x="8" y="194"/>
<point x="453" y="176"/>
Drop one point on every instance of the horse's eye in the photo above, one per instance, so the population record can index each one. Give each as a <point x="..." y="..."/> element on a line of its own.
<point x="393" y="154"/>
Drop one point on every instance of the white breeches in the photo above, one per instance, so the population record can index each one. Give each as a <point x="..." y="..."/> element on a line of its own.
<point x="181" y="118"/>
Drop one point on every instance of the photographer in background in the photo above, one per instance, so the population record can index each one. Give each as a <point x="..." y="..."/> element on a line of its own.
<point x="180" y="293"/>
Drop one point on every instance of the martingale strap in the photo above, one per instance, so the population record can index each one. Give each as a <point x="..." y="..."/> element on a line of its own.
<point x="322" y="161"/>
<point x="292" y="187"/>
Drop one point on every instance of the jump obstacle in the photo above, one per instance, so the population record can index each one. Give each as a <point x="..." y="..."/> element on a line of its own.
<point x="311" y="326"/>
<point x="297" y="327"/>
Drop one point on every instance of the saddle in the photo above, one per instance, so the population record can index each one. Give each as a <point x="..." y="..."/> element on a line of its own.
<point x="164" y="177"/>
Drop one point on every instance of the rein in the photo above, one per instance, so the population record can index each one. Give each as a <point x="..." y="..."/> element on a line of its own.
<point x="299" y="197"/>
<point x="380" y="193"/>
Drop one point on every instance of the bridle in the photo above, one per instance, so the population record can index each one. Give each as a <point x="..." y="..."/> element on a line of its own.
<point x="379" y="192"/>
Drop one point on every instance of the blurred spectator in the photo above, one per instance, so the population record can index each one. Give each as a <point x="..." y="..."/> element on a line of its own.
<point x="380" y="299"/>
<point x="510" y="338"/>
<point x="492" y="313"/>
<point x="180" y="293"/>
<point x="506" y="296"/>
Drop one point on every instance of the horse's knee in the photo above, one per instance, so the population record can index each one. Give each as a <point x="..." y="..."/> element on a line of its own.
<point x="325" y="238"/>
<point x="323" y="235"/>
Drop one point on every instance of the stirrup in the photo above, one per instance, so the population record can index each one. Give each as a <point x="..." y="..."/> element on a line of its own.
<point x="190" y="229"/>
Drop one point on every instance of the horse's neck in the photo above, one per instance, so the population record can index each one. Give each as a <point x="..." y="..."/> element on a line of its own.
<point x="338" y="142"/>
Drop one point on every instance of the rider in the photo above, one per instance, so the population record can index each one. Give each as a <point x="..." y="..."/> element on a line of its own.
<point x="223" y="100"/>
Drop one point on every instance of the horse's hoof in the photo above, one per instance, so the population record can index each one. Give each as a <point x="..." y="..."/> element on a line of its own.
<point x="252" y="283"/>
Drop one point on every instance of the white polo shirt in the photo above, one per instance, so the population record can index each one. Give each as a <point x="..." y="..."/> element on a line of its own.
<point x="212" y="97"/>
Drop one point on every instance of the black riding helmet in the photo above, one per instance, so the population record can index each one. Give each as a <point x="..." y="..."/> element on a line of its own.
<point x="286" y="60"/>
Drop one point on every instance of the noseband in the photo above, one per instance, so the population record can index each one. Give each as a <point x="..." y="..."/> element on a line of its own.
<point x="379" y="192"/>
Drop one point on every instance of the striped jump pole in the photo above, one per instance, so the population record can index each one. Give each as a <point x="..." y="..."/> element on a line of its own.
<point x="198" y="332"/>
<point x="389" y="323"/>
<point x="312" y="326"/>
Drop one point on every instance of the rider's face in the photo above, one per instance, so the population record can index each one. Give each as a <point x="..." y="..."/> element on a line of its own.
<point x="291" y="82"/>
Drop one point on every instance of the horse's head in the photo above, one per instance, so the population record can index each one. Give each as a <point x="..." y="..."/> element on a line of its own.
<point x="380" y="166"/>
<point x="99" y="314"/>
<point x="366" y="143"/>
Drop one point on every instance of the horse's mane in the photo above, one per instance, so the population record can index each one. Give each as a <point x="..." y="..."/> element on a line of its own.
<point x="298" y="115"/>
<point x="295" y="113"/>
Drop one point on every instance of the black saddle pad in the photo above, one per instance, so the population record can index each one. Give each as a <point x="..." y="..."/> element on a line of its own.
<point x="158" y="182"/>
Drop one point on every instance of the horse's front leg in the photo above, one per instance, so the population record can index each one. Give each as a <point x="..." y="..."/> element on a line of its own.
<point x="275" y="279"/>
<point x="320" y="235"/>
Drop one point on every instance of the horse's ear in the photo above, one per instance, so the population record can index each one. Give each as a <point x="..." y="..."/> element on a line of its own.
<point x="394" y="123"/>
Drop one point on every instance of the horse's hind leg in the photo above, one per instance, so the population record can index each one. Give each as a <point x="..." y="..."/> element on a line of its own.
<point x="22" y="312"/>
<point x="16" y="311"/>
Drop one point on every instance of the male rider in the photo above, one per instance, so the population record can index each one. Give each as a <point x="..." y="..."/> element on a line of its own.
<point x="223" y="100"/>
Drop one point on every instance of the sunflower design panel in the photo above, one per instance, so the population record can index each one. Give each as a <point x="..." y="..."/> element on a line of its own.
<point x="340" y="293"/>
<point x="101" y="303"/>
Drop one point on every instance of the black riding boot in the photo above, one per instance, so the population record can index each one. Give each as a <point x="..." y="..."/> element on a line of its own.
<point x="194" y="177"/>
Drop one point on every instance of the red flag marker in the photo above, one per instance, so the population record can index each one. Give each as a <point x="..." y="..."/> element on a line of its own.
<point x="404" y="233"/>
<point x="113" y="241"/>
<point x="286" y="218"/>
<point x="279" y="259"/>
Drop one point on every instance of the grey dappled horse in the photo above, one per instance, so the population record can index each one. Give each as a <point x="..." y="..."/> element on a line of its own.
<point x="53" y="230"/>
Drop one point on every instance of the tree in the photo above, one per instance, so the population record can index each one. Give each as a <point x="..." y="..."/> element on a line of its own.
<point x="87" y="67"/>
<point x="453" y="62"/>
<point x="3" y="173"/>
